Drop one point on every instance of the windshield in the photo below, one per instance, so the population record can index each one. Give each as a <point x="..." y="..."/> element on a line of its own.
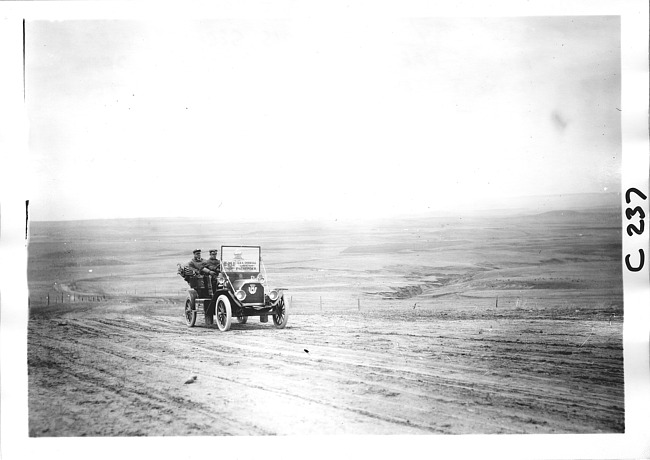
<point x="240" y="259"/>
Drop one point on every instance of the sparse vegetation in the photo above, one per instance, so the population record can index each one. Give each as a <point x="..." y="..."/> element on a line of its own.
<point x="403" y="337"/>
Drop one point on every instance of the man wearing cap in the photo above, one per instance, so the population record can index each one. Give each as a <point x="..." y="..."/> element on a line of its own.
<point x="205" y="267"/>
<point x="197" y="263"/>
<point x="210" y="267"/>
<point x="213" y="265"/>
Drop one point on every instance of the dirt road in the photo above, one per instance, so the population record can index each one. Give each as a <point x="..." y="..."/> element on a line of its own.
<point x="120" y="369"/>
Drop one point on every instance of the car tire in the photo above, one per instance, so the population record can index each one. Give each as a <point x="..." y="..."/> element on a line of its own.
<point x="242" y="319"/>
<point x="223" y="313"/>
<point x="281" y="317"/>
<point x="190" y="312"/>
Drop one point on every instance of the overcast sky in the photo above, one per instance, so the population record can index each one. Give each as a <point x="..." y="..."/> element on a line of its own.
<point x="330" y="118"/>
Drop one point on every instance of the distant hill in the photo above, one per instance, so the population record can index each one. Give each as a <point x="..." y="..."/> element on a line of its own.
<point x="609" y="216"/>
<point x="564" y="203"/>
<point x="535" y="205"/>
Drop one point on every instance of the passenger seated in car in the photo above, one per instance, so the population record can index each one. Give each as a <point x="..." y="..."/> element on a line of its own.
<point x="194" y="271"/>
<point x="196" y="263"/>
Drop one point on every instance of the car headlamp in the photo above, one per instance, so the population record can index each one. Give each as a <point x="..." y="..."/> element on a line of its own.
<point x="241" y="295"/>
<point x="273" y="295"/>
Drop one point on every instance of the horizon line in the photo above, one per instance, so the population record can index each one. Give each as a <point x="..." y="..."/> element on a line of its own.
<point x="462" y="210"/>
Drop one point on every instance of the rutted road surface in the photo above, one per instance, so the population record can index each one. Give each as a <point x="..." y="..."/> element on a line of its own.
<point x="121" y="370"/>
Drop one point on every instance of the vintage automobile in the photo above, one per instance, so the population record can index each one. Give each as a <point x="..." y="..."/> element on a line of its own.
<point x="240" y="291"/>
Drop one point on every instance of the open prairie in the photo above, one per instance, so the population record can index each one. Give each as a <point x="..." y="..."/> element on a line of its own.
<point x="501" y="324"/>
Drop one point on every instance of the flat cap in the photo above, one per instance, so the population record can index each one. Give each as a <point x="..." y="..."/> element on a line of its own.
<point x="196" y="250"/>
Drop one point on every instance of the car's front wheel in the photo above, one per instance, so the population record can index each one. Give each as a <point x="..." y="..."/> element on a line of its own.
<point x="242" y="319"/>
<point x="223" y="313"/>
<point x="190" y="313"/>
<point x="280" y="316"/>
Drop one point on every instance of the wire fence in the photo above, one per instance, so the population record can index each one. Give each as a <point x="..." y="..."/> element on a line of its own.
<point x="332" y="302"/>
<point x="302" y="302"/>
<point x="53" y="298"/>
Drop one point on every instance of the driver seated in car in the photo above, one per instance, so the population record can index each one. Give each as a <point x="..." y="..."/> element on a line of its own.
<point x="213" y="267"/>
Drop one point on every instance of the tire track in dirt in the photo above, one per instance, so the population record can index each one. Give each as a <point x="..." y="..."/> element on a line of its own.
<point x="390" y="380"/>
<point x="416" y="377"/>
<point x="126" y="355"/>
<point x="132" y="391"/>
<point x="86" y="327"/>
<point x="307" y="393"/>
<point x="547" y="400"/>
<point x="252" y="351"/>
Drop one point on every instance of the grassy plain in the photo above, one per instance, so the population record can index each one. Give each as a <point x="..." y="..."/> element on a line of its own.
<point x="473" y="324"/>
<point x="567" y="258"/>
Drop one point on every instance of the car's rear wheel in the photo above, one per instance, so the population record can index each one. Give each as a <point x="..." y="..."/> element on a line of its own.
<point x="280" y="316"/>
<point x="190" y="313"/>
<point x="223" y="313"/>
<point x="242" y="319"/>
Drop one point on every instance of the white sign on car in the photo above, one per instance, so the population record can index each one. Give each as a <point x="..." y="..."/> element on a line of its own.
<point x="240" y="258"/>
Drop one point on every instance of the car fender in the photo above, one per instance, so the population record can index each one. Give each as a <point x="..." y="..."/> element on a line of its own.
<point x="233" y="300"/>
<point x="274" y="303"/>
<point x="192" y="295"/>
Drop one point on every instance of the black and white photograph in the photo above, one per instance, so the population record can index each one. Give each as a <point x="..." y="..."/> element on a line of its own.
<point x="349" y="229"/>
